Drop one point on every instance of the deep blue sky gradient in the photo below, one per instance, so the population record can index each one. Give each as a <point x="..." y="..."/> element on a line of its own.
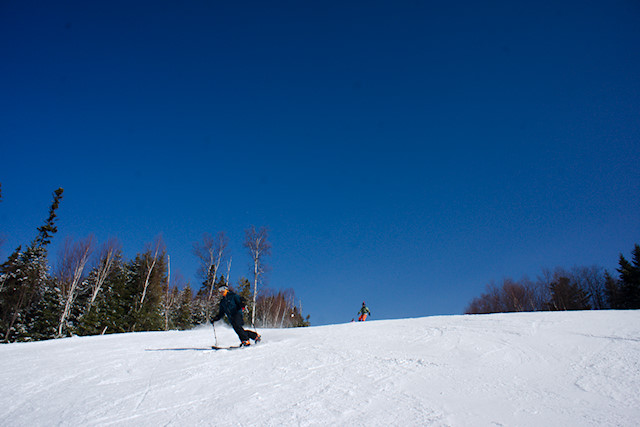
<point x="402" y="153"/>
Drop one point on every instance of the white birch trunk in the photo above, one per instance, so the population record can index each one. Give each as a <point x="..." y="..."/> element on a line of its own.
<point x="167" y="303"/>
<point x="256" y="242"/>
<point x="101" y="277"/>
<point x="146" y="282"/>
<point x="255" y="286"/>
<point x="216" y="266"/>
<point x="284" y="311"/>
<point x="77" y="275"/>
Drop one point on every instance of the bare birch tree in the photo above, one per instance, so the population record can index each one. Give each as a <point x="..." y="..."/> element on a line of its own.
<point x="106" y="257"/>
<point x="277" y="309"/>
<point x="211" y="252"/>
<point x="229" y="269"/>
<point x="150" y="264"/>
<point x="592" y="280"/>
<point x="258" y="246"/>
<point x="169" y="297"/>
<point x="74" y="259"/>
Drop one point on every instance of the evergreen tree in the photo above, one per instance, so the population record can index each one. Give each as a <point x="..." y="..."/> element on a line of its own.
<point x="199" y="310"/>
<point x="24" y="279"/>
<point x="297" y="321"/>
<point x="181" y="316"/>
<point x="613" y="295"/>
<point x="8" y="291"/>
<point x="244" y="290"/>
<point x="207" y="298"/>
<point x="49" y="228"/>
<point x="630" y="280"/>
<point x="148" y="278"/>
<point x="111" y="310"/>
<point x="43" y="316"/>
<point x="567" y="295"/>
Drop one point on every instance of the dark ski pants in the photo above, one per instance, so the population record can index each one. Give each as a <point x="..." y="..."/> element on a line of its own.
<point x="237" y="322"/>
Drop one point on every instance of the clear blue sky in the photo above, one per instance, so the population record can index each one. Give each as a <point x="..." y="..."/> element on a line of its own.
<point x="406" y="153"/>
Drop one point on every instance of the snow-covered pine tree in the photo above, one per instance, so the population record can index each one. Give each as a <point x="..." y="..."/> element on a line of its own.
<point x="46" y="232"/>
<point x="147" y="281"/>
<point x="25" y="278"/>
<point x="111" y="308"/>
<point x="43" y="316"/>
<point x="108" y="253"/>
<point x="244" y="290"/>
<point x="181" y="315"/>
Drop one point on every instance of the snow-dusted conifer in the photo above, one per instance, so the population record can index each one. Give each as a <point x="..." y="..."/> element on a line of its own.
<point x="24" y="279"/>
<point x="146" y="284"/>
<point x="181" y="315"/>
<point x="630" y="280"/>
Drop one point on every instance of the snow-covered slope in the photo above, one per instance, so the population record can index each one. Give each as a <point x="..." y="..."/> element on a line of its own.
<point x="532" y="369"/>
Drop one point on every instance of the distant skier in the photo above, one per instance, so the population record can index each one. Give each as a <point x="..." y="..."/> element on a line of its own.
<point x="364" y="312"/>
<point x="232" y="306"/>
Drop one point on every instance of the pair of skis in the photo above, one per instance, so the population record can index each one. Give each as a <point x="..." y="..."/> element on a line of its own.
<point x="233" y="347"/>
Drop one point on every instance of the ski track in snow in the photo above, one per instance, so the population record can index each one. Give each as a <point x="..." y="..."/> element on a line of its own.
<point x="528" y="369"/>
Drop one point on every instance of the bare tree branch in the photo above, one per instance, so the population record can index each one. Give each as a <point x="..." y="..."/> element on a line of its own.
<point x="211" y="253"/>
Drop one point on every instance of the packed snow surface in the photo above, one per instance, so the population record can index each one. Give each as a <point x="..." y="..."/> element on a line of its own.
<point x="530" y="369"/>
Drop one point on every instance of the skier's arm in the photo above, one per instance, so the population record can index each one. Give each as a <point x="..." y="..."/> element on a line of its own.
<point x="239" y="302"/>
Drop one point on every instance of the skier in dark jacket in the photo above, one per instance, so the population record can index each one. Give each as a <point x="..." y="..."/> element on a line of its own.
<point x="232" y="306"/>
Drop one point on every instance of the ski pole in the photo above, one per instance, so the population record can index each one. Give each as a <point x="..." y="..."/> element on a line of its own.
<point x="214" y="332"/>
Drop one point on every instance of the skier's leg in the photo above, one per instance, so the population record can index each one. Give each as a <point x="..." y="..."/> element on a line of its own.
<point x="236" y="323"/>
